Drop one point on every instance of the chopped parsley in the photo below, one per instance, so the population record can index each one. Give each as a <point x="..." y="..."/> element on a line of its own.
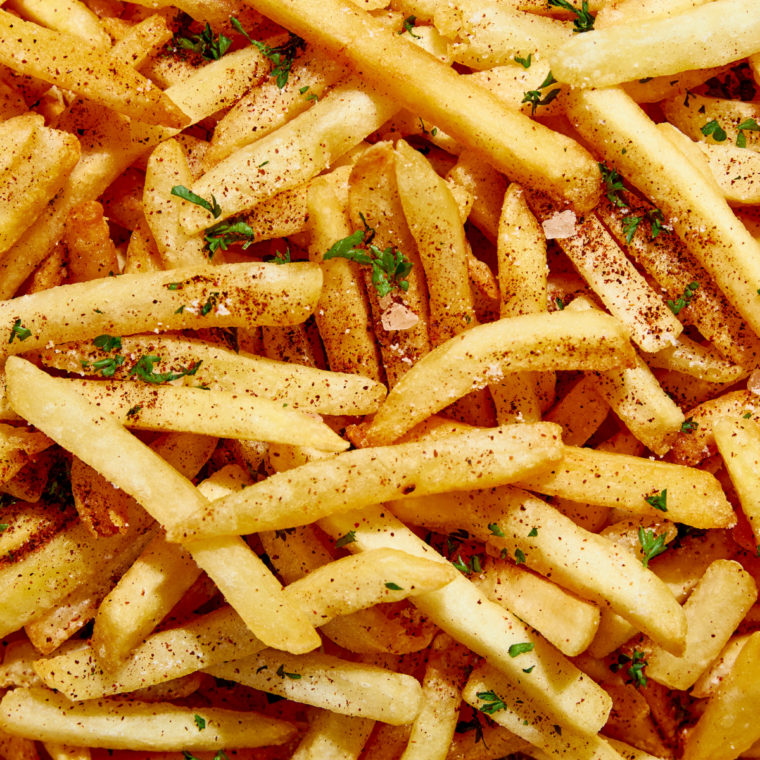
<point x="560" y="304"/>
<point x="494" y="702"/>
<point x="280" y="257"/>
<point x="464" y="726"/>
<point x="282" y="56"/>
<point x="631" y="224"/>
<point x="495" y="530"/>
<point x="651" y="545"/>
<point x="519" y="557"/>
<point x="409" y="23"/>
<point x="685" y="299"/>
<point x="688" y="425"/>
<point x="712" y="128"/>
<point x="107" y="367"/>
<point x="284" y="674"/>
<point x="524" y="62"/>
<point x="389" y="267"/>
<point x="211" y="302"/>
<point x="200" y="722"/>
<point x="533" y="533"/>
<point x="134" y="410"/>
<point x="4" y="527"/>
<point x="226" y="233"/>
<point x="748" y="125"/>
<point x="658" y="500"/>
<point x="393" y="587"/>
<point x="534" y="96"/>
<point x="349" y="538"/>
<point x="747" y="416"/>
<point x="144" y="370"/>
<point x="473" y="566"/>
<point x="614" y="183"/>
<point x="635" y="670"/>
<point x="19" y="331"/>
<point x="210" y="46"/>
<point x="107" y="343"/>
<point x="518" y="649"/>
<point x="584" y="21"/>
<point x="188" y="195"/>
<point x="529" y="670"/>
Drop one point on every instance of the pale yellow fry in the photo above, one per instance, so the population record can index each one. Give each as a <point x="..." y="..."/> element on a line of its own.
<point x="70" y="16"/>
<point x="37" y="171"/>
<point x="492" y="33"/>
<point x="567" y="621"/>
<point x="273" y="164"/>
<point x="142" y="41"/>
<point x="512" y="142"/>
<point x="75" y="424"/>
<point x="529" y="719"/>
<point x="711" y="35"/>
<point x="247" y="295"/>
<point x="713" y="611"/>
<point x="709" y="682"/>
<point x="734" y="170"/>
<point x="699" y="214"/>
<point x="17" y="447"/>
<point x="579" y="412"/>
<point x="321" y="488"/>
<point x="167" y="167"/>
<point x="332" y="736"/>
<point x="124" y="724"/>
<point x="739" y="444"/>
<point x="628" y="11"/>
<point x="111" y="145"/>
<point x="692" y="358"/>
<point x="349" y="688"/>
<point x="592" y="566"/>
<point x="11" y="103"/>
<point x="487" y="629"/>
<point x="729" y="724"/>
<point x="67" y="751"/>
<point x="484" y="354"/>
<point x="63" y="60"/>
<point x="434" y="220"/>
<point x="197" y="410"/>
<point x="434" y="728"/>
<point x="222" y="369"/>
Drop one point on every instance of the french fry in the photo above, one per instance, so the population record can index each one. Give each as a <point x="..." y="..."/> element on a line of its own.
<point x="67" y="752"/>
<point x="487" y="629"/>
<point x="729" y="253"/>
<point x="199" y="410"/>
<point x="434" y="221"/>
<point x="91" y="252"/>
<point x="17" y="448"/>
<point x="697" y="38"/>
<point x="342" y="314"/>
<point x="579" y="413"/>
<point x="332" y="736"/>
<point x="613" y="278"/>
<point x="11" y="103"/>
<point x="549" y="608"/>
<point x="738" y="441"/>
<point x="142" y="251"/>
<point x="73" y="17"/>
<point x="734" y="169"/>
<point x="714" y="609"/>
<point x="691" y="358"/>
<point x="221" y="369"/>
<point x="728" y="724"/>
<point x="471" y="460"/>
<point x="709" y="682"/>
<point x="445" y="99"/>
<point x="124" y="724"/>
<point x="365" y="691"/>
<point x="142" y="41"/>
<point x="248" y="294"/>
<point x="34" y="50"/>
<point x="535" y="342"/>
<point x="693" y="497"/>
<point x="560" y="550"/>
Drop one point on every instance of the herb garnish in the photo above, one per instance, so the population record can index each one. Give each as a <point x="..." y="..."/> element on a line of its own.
<point x="19" y="331"/>
<point x="749" y="125"/>
<point x="636" y="669"/>
<point x="495" y="703"/>
<point x="685" y="299"/>
<point x="281" y="56"/>
<point x="688" y="425"/>
<point x="584" y="21"/>
<point x="614" y="184"/>
<point x="226" y="233"/>
<point x="495" y="530"/>
<point x="349" y="538"/>
<point x="284" y="674"/>
<point x="409" y="23"/>
<point x="211" y="47"/>
<point x="714" y="129"/>
<point x="659" y="500"/>
<point x="393" y="587"/>
<point x="651" y="545"/>
<point x="524" y="62"/>
<point x="534" y="96"/>
<point x="517" y="649"/>
<point x="144" y="370"/>
<point x="200" y="722"/>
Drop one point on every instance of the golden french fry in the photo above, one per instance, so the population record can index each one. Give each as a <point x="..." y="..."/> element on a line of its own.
<point x="444" y="98"/>
<point x="32" y="49"/>
<point x="125" y="724"/>
<point x="579" y="412"/>
<point x="248" y="294"/>
<point x="71" y="16"/>
<point x="693" y="497"/>
<point x="710" y="35"/>
<point x="694" y="359"/>
<point x="488" y="630"/>
<point x="709" y="682"/>
<point x="729" y="722"/>
<point x="321" y="488"/>
<point x="91" y="252"/>
<point x="714" y="609"/>
<point x="200" y="410"/>
<point x="612" y="121"/>
<point x="535" y="342"/>
<point x="332" y="736"/>
<point x="349" y="688"/>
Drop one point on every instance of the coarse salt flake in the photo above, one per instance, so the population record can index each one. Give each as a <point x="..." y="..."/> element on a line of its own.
<point x="398" y="317"/>
<point x="561" y="225"/>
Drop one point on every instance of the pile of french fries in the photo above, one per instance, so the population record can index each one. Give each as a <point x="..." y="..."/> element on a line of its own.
<point x="380" y="379"/>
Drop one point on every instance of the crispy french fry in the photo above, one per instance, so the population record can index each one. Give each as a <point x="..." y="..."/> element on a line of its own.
<point x="468" y="617"/>
<point x="691" y="358"/>
<point x="728" y="252"/>
<point x="693" y="497"/>
<point x="364" y="691"/>
<point x="199" y="410"/>
<point x="535" y="342"/>
<point x="709" y="682"/>
<point x="332" y="736"/>
<point x="580" y="412"/>
<point x="728" y="724"/>
<point x="714" y="609"/>
<point x="471" y="460"/>
<point x="91" y="252"/>
<point x="142" y="251"/>
<point x="442" y="97"/>
<point x="72" y="17"/>
<point x="222" y="369"/>
<point x="31" y="49"/>
<point x="248" y="294"/>
<point x="124" y="724"/>
<point x="17" y="448"/>
<point x="710" y="35"/>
